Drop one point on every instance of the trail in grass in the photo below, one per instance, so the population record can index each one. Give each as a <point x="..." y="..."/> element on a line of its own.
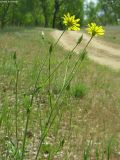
<point x="100" y="51"/>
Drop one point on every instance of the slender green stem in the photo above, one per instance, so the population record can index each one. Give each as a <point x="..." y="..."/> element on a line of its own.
<point x="58" y="39"/>
<point x="66" y="70"/>
<point x="25" y="134"/>
<point x="49" y="72"/>
<point x="47" y="127"/>
<point x="55" y="69"/>
<point x="39" y="72"/>
<point x="67" y="65"/>
<point x="88" y="43"/>
<point x="16" y="100"/>
<point x="29" y="110"/>
<point x="72" y="73"/>
<point x="50" y="121"/>
<point x="71" y="53"/>
<point x="70" y="124"/>
<point x="16" y="106"/>
<point x="49" y="78"/>
<point x="74" y="70"/>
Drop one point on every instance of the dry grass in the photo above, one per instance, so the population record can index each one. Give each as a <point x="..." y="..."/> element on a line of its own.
<point x="94" y="117"/>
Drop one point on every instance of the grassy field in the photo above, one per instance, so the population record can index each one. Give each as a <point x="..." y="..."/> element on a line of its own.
<point x="87" y="122"/>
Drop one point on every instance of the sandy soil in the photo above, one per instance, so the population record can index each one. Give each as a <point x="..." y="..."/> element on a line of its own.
<point x="100" y="51"/>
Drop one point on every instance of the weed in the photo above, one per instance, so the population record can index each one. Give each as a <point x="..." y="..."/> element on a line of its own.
<point x="37" y="104"/>
<point x="79" y="90"/>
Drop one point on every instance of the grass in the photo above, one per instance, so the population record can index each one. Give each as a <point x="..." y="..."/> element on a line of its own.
<point x="85" y="128"/>
<point x="79" y="91"/>
<point x="112" y="34"/>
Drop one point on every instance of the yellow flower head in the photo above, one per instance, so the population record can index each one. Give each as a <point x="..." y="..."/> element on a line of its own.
<point x="95" y="30"/>
<point x="71" y="22"/>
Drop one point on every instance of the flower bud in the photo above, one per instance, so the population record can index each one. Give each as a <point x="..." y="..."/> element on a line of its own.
<point x="43" y="35"/>
<point x="80" y="39"/>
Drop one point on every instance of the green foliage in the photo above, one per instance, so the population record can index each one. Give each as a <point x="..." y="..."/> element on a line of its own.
<point x="48" y="13"/>
<point x="39" y="12"/>
<point x="28" y="19"/>
<point x="91" y="12"/>
<point x="110" y="11"/>
<point x="80" y="90"/>
<point x="13" y="152"/>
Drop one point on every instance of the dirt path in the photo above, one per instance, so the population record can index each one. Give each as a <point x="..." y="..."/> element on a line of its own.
<point x="100" y="51"/>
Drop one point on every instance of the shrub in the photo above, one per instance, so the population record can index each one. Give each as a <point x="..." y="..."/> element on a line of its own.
<point x="79" y="90"/>
<point x="28" y="19"/>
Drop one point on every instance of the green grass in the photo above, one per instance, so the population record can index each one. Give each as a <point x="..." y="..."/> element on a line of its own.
<point x="88" y="126"/>
<point x="79" y="91"/>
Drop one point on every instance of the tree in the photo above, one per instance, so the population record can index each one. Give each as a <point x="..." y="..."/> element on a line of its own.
<point x="57" y="5"/>
<point x="92" y="10"/>
<point x="110" y="10"/>
<point x="75" y="7"/>
<point x="45" y="5"/>
<point x="39" y="12"/>
<point x="3" y="13"/>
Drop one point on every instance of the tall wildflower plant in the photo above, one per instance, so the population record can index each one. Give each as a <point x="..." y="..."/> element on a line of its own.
<point x="71" y="23"/>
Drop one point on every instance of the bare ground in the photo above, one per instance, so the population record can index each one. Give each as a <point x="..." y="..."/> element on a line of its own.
<point x="100" y="51"/>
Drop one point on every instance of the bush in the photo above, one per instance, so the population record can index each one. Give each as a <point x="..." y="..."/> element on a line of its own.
<point x="79" y="90"/>
<point x="28" y="19"/>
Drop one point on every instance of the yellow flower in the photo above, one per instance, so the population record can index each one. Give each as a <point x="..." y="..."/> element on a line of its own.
<point x="95" y="30"/>
<point x="71" y="22"/>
